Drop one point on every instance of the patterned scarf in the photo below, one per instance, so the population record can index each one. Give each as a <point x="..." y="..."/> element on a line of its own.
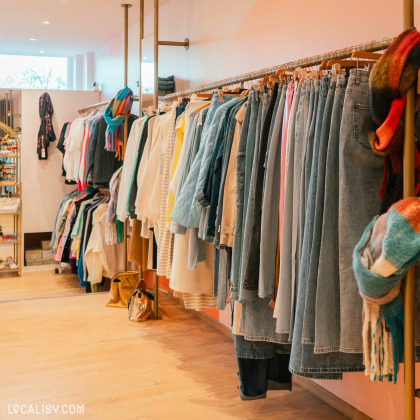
<point x="118" y="109"/>
<point x="389" y="245"/>
<point x="46" y="130"/>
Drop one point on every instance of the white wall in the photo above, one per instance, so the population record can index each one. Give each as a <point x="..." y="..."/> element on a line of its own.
<point x="210" y="26"/>
<point x="42" y="183"/>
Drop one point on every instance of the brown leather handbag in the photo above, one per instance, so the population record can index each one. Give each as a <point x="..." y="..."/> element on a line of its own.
<point x="140" y="304"/>
<point x="122" y="287"/>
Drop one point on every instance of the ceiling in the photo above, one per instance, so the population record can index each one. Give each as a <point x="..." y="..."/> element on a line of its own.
<point x="77" y="26"/>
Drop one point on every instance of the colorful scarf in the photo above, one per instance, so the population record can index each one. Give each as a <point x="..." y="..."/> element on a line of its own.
<point x="46" y="130"/>
<point x="394" y="73"/>
<point x="389" y="245"/>
<point x="118" y="109"/>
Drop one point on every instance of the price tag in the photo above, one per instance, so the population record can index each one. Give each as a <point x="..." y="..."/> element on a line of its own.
<point x="43" y="152"/>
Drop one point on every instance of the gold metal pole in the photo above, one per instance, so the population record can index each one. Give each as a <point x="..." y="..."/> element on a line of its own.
<point x="409" y="289"/>
<point x="185" y="43"/>
<point x="7" y="110"/>
<point x="126" y="7"/>
<point x="409" y="286"/>
<point x="141" y="52"/>
<point x="12" y="122"/>
<point x="156" y="53"/>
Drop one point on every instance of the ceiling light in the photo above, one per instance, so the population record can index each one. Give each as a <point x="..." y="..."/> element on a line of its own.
<point x="32" y="39"/>
<point x="42" y="51"/>
<point x="144" y="58"/>
<point x="46" y="22"/>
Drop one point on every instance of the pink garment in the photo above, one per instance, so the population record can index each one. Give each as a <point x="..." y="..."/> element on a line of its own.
<point x="286" y="115"/>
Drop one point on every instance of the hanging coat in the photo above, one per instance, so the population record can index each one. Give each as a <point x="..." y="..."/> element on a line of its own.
<point x="46" y="130"/>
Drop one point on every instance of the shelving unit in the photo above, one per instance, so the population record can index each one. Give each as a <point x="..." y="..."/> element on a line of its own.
<point x="14" y="190"/>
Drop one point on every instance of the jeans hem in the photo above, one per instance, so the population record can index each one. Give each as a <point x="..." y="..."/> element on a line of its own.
<point x="322" y="350"/>
<point x="307" y="341"/>
<point x="333" y="370"/>
<point x="256" y="356"/>
<point x="303" y="374"/>
<point x="265" y="339"/>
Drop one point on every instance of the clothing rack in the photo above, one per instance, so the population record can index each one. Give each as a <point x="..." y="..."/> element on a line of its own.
<point x="410" y="392"/>
<point x="408" y="172"/>
<point x="306" y="62"/>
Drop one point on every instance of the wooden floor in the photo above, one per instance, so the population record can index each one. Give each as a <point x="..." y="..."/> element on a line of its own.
<point x="74" y="350"/>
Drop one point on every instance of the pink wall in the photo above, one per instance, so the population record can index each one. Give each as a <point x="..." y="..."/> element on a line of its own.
<point x="234" y="37"/>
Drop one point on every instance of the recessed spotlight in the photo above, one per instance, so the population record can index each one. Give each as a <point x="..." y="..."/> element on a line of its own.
<point x="46" y="22"/>
<point x="144" y="58"/>
<point x="32" y="39"/>
<point x="42" y="52"/>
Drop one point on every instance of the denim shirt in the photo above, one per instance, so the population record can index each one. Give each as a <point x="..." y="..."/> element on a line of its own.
<point x="185" y="200"/>
<point x="215" y="179"/>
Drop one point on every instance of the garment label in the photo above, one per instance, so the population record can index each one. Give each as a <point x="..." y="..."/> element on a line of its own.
<point x="43" y="152"/>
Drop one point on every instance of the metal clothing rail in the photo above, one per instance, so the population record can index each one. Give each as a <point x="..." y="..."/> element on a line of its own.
<point x="90" y="107"/>
<point x="306" y="62"/>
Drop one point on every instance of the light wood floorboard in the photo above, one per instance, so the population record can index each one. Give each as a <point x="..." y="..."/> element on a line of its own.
<point x="75" y="350"/>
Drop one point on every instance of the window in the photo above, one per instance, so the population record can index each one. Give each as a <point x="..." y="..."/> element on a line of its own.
<point x="31" y="72"/>
<point x="147" y="77"/>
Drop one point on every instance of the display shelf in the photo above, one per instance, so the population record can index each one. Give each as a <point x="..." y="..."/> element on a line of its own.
<point x="9" y="242"/>
<point x="10" y="270"/>
<point x="9" y="184"/>
<point x="15" y="191"/>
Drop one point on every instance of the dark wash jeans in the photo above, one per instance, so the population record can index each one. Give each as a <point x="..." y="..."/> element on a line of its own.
<point x="262" y="366"/>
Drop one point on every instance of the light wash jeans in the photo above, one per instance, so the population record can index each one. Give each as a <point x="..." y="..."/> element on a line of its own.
<point x="361" y="173"/>
<point x="327" y="303"/>
<point x="303" y="360"/>
<point x="299" y="139"/>
<point x="284" y="294"/>
<point x="315" y="206"/>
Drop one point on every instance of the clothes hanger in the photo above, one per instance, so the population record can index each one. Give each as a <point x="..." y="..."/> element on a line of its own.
<point x="263" y="82"/>
<point x="220" y="95"/>
<point x="323" y="65"/>
<point x="349" y="63"/>
<point x="366" y="55"/>
<point x="204" y="95"/>
<point x="336" y="70"/>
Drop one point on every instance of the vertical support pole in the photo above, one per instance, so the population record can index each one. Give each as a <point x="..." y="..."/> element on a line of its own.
<point x="156" y="293"/>
<point x="126" y="7"/>
<point x="156" y="53"/>
<point x="6" y="121"/>
<point x="409" y="289"/>
<point x="12" y="121"/>
<point x="141" y="52"/>
<point x="155" y="103"/>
